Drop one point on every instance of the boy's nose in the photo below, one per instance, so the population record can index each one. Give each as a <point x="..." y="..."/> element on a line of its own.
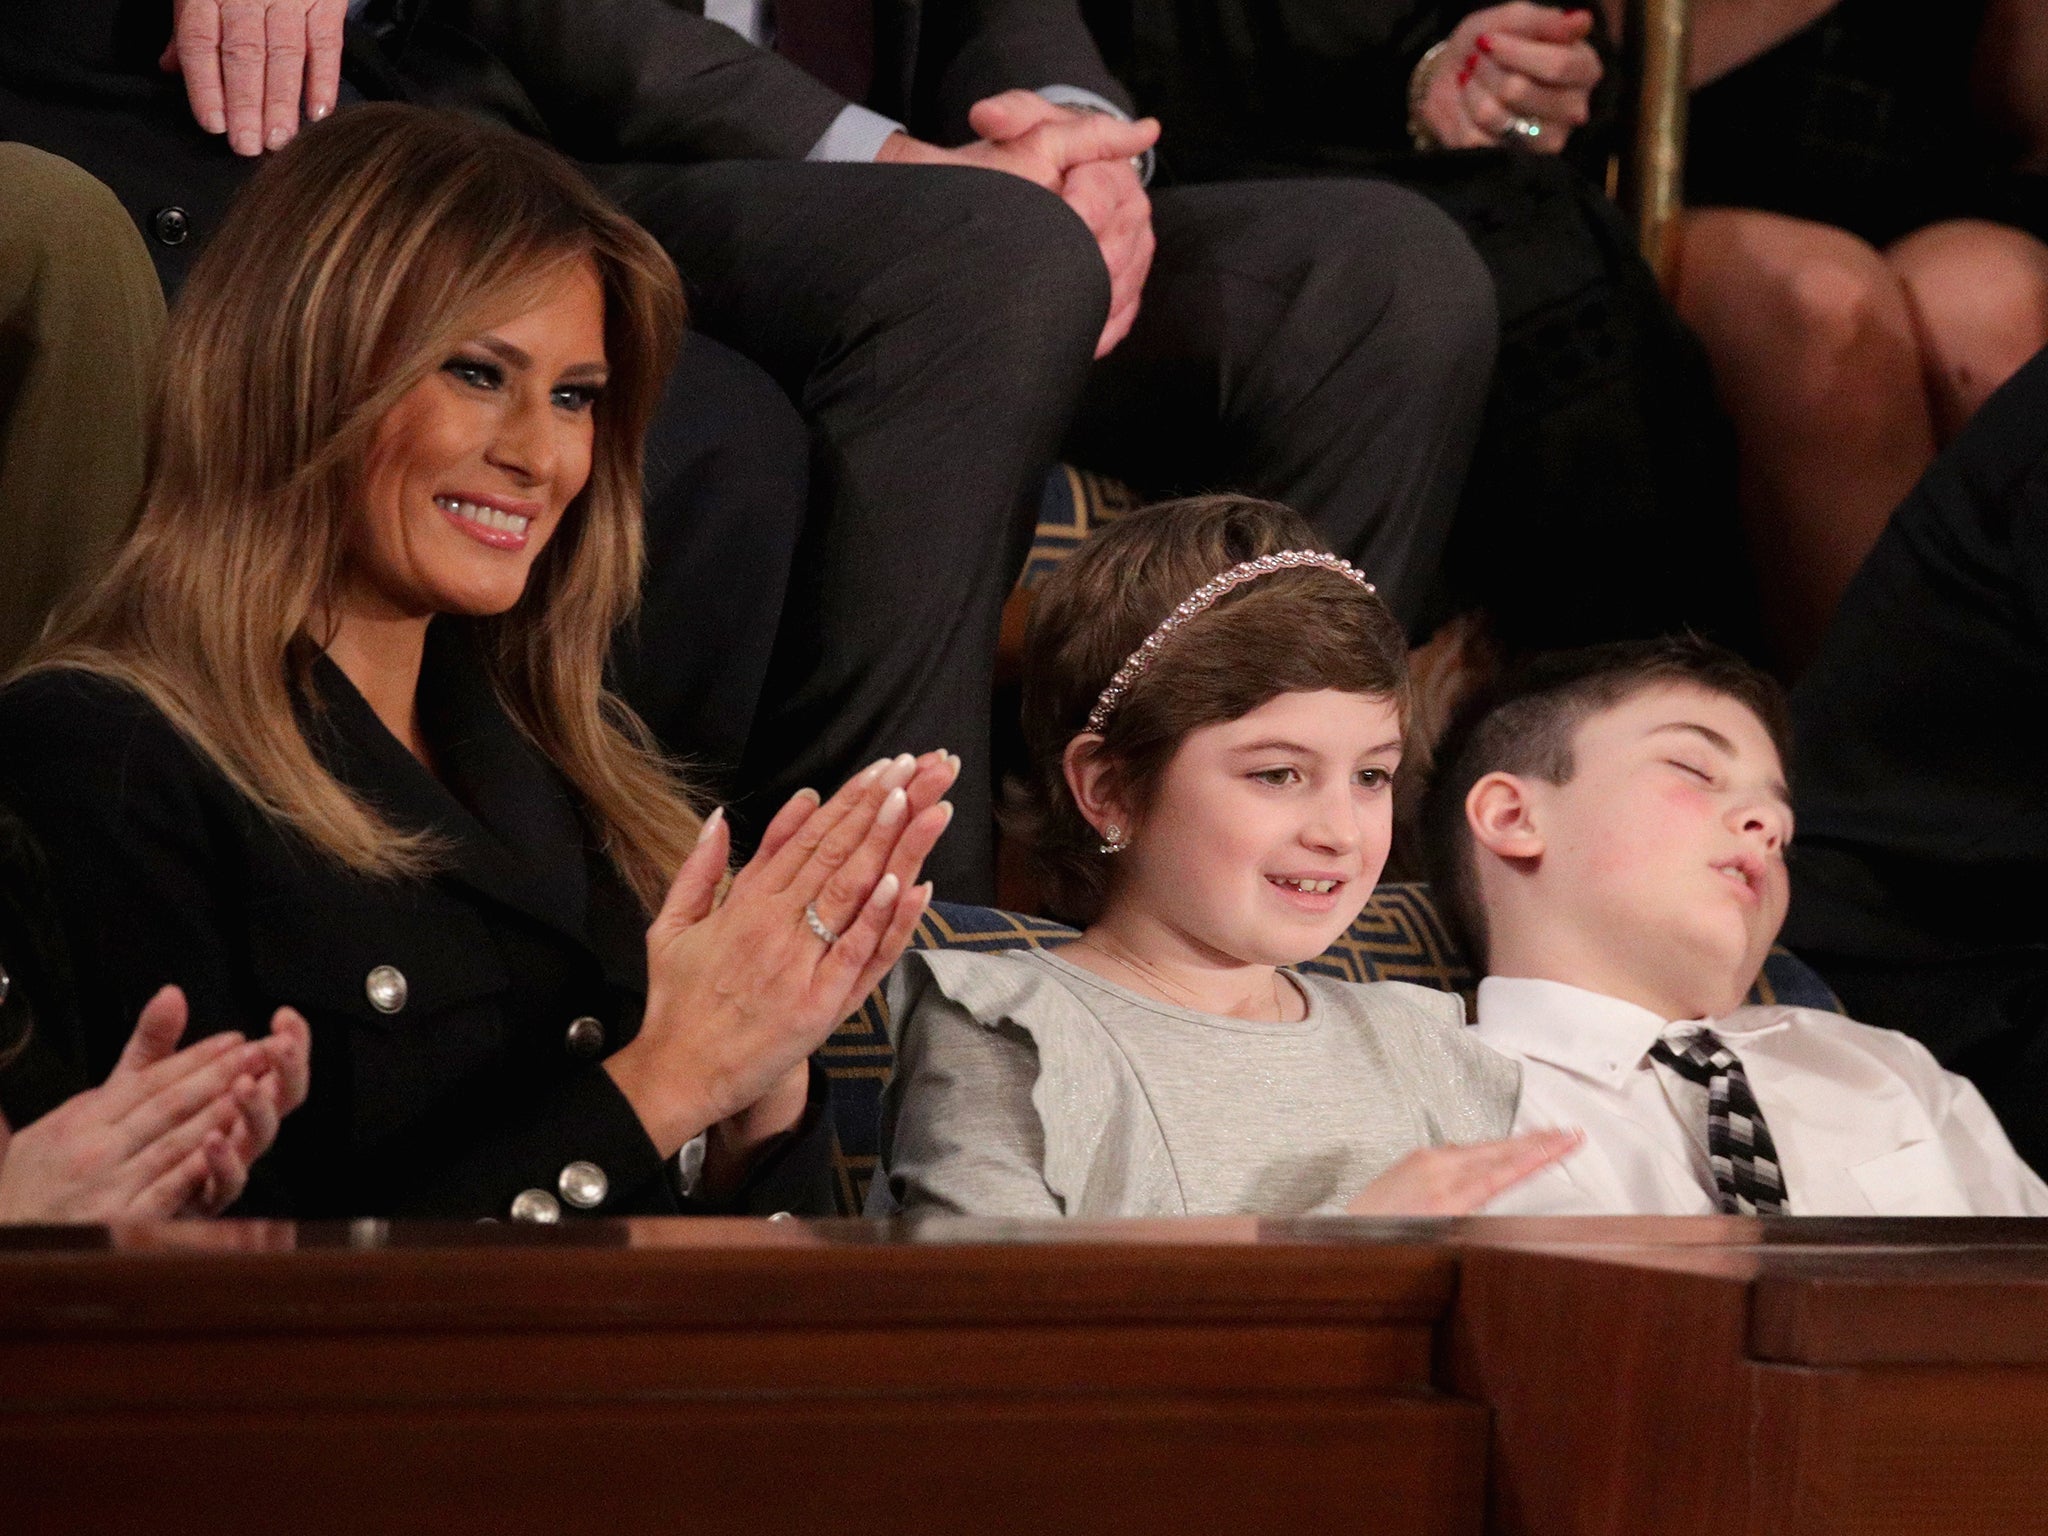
<point x="1765" y="821"/>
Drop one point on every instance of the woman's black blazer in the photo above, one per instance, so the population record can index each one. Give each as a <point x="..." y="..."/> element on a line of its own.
<point x="459" y="1021"/>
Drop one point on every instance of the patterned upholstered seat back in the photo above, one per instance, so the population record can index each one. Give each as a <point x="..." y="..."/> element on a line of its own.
<point x="1398" y="937"/>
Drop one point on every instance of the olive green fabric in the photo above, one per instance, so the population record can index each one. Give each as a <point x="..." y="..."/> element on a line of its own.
<point x="81" y="328"/>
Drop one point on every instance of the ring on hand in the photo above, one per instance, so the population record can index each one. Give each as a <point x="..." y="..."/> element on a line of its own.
<point x="817" y="925"/>
<point x="1528" y="127"/>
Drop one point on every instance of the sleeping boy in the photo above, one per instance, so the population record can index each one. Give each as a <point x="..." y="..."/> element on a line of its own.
<point x="1607" y="832"/>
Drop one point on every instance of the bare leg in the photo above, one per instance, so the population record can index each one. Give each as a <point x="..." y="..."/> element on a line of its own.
<point x="1818" y="364"/>
<point x="1978" y="294"/>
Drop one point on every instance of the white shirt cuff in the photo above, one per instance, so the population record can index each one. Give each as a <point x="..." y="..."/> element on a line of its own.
<point x="1091" y="101"/>
<point x="856" y="134"/>
<point x="690" y="1163"/>
<point x="1075" y="96"/>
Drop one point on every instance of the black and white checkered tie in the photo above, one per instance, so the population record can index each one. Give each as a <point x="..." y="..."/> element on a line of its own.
<point x="1739" y="1145"/>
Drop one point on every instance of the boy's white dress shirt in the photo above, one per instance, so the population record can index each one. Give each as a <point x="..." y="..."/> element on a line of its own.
<point x="1866" y="1123"/>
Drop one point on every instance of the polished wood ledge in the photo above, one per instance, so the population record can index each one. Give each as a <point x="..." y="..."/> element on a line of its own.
<point x="1656" y="1376"/>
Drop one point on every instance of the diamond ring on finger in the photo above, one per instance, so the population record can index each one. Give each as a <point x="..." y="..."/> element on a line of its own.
<point x="817" y="924"/>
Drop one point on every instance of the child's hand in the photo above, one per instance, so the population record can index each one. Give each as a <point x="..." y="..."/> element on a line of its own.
<point x="1456" y="1181"/>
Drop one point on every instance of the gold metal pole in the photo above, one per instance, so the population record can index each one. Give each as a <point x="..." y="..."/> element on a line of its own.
<point x="1656" y="48"/>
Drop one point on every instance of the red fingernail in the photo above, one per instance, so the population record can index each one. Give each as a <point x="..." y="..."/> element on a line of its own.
<point x="1484" y="44"/>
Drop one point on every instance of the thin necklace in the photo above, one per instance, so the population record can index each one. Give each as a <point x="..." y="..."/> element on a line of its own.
<point x="1146" y="973"/>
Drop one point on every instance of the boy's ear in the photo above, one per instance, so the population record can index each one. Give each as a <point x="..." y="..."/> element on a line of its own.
<point x="1092" y="782"/>
<point x="1502" y="818"/>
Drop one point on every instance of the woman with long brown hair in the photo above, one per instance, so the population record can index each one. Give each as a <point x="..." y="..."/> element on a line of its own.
<point x="333" y="731"/>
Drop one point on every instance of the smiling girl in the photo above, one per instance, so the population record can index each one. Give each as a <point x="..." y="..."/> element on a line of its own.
<point x="1215" y="709"/>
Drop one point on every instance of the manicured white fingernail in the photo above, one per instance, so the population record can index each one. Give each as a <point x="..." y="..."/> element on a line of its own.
<point x="885" y="890"/>
<point x="947" y="807"/>
<point x="892" y="808"/>
<point x="901" y="771"/>
<point x="710" y="823"/>
<point x="869" y="774"/>
<point x="924" y="894"/>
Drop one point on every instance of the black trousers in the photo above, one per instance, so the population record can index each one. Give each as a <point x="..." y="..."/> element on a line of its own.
<point x="1920" y="875"/>
<point x="1326" y="344"/>
<point x="727" y="480"/>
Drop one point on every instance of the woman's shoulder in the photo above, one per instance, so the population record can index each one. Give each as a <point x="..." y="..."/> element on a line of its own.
<point x="73" y="707"/>
<point x="68" y="734"/>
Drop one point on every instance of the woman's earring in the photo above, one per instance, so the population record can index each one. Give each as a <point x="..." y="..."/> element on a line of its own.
<point x="1113" y="839"/>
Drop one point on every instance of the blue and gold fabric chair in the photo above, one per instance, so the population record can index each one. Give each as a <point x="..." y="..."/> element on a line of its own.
<point x="1398" y="937"/>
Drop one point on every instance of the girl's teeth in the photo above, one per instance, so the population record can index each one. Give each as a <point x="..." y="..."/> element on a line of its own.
<point x="1309" y="887"/>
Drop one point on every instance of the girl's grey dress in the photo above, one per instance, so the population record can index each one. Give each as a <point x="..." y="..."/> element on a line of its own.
<point x="1027" y="1086"/>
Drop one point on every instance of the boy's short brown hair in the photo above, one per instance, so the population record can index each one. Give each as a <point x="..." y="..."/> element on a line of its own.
<point x="1525" y="724"/>
<point x="1295" y="630"/>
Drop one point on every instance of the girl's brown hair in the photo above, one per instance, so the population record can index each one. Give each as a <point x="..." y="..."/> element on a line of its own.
<point x="346" y="272"/>
<point x="1293" y="631"/>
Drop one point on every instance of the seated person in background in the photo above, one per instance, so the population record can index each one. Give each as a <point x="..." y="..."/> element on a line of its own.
<point x="1920" y="879"/>
<point x="81" y="319"/>
<point x="1214" y="708"/>
<point x="170" y="1133"/>
<point x="332" y="731"/>
<point x="1601" y="501"/>
<point x="1607" y="829"/>
<point x="1862" y="258"/>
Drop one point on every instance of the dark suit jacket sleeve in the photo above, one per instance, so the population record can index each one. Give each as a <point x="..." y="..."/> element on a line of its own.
<point x="970" y="49"/>
<point x="795" y="1173"/>
<point x="138" y="855"/>
<point x="646" y="80"/>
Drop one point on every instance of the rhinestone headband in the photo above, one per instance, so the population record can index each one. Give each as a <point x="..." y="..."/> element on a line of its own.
<point x="1204" y="598"/>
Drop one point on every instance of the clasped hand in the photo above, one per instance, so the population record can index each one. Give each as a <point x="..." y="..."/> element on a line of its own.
<point x="1513" y="63"/>
<point x="170" y="1132"/>
<point x="1085" y="158"/>
<point x="740" y="991"/>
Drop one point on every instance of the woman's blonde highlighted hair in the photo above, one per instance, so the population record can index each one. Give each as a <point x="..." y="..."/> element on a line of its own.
<point x="347" y="271"/>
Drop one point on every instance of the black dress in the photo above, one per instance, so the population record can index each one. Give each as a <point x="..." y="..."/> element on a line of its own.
<point x="459" y="1022"/>
<point x="1863" y="120"/>
<point x="1601" y="500"/>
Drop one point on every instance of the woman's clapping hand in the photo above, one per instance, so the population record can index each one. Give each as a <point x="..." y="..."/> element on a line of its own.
<point x="170" y="1132"/>
<point x="741" y="991"/>
<point x="1515" y="71"/>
